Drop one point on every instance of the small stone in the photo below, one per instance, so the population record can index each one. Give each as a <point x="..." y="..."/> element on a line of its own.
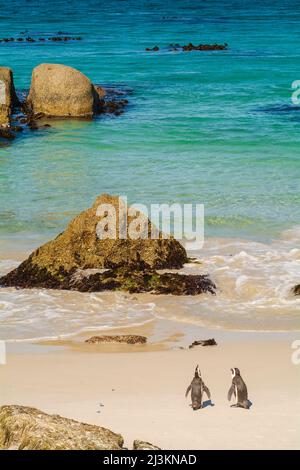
<point x="204" y="342"/>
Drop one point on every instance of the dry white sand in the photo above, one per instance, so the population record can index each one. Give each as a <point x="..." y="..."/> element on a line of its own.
<point x="143" y="393"/>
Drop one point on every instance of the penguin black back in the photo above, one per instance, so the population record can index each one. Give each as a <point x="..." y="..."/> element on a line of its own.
<point x="197" y="387"/>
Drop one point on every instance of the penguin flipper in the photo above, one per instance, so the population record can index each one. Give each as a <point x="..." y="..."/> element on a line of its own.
<point x="188" y="390"/>
<point x="206" y="390"/>
<point x="230" y="392"/>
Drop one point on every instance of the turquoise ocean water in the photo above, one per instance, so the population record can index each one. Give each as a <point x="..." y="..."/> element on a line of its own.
<point x="217" y="128"/>
<point x="212" y="127"/>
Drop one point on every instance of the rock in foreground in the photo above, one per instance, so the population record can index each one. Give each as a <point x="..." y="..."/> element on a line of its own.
<point x="143" y="445"/>
<point x="62" y="91"/>
<point x="128" y="339"/>
<point x="24" y="428"/>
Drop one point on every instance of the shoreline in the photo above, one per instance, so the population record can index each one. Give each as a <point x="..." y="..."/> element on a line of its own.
<point x="73" y="383"/>
<point x="254" y="283"/>
<point x="162" y="335"/>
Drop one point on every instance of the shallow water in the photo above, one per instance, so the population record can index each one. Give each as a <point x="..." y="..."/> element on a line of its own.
<point x="217" y="128"/>
<point x="254" y="283"/>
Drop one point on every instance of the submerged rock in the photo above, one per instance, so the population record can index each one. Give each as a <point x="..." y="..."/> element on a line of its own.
<point x="51" y="38"/>
<point x="25" y="428"/>
<point x="192" y="47"/>
<point x="114" y="106"/>
<point x="6" y="133"/>
<point x="205" y="47"/>
<point x="64" y="38"/>
<point x="152" y="49"/>
<point x="78" y="259"/>
<point x="128" y="339"/>
<point x="61" y="91"/>
<point x="296" y="290"/>
<point x="8" y="97"/>
<point x="143" y="445"/>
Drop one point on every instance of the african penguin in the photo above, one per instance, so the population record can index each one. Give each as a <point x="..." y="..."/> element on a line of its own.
<point x="239" y="389"/>
<point x="197" y="387"/>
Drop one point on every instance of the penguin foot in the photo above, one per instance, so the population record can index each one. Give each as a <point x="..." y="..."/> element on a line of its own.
<point x="245" y="406"/>
<point x="240" y="405"/>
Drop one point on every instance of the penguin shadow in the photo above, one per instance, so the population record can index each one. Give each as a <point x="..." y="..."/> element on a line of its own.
<point x="239" y="406"/>
<point x="207" y="403"/>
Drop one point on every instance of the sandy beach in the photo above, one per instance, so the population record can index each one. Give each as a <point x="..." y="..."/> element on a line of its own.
<point x="149" y="186"/>
<point x="141" y="394"/>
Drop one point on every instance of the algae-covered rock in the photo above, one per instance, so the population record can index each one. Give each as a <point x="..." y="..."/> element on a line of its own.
<point x="24" y="428"/>
<point x="140" y="280"/>
<point x="80" y="248"/>
<point x="128" y="339"/>
<point x="78" y="259"/>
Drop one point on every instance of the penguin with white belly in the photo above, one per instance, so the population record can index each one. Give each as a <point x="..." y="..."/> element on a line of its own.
<point x="239" y="390"/>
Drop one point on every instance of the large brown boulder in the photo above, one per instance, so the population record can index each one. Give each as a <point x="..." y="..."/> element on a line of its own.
<point x="79" y="248"/>
<point x="24" y="428"/>
<point x="62" y="91"/>
<point x="8" y="98"/>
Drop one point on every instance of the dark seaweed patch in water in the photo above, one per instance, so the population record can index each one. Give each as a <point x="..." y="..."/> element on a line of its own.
<point x="41" y="38"/>
<point x="279" y="109"/>
<point x="114" y="102"/>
